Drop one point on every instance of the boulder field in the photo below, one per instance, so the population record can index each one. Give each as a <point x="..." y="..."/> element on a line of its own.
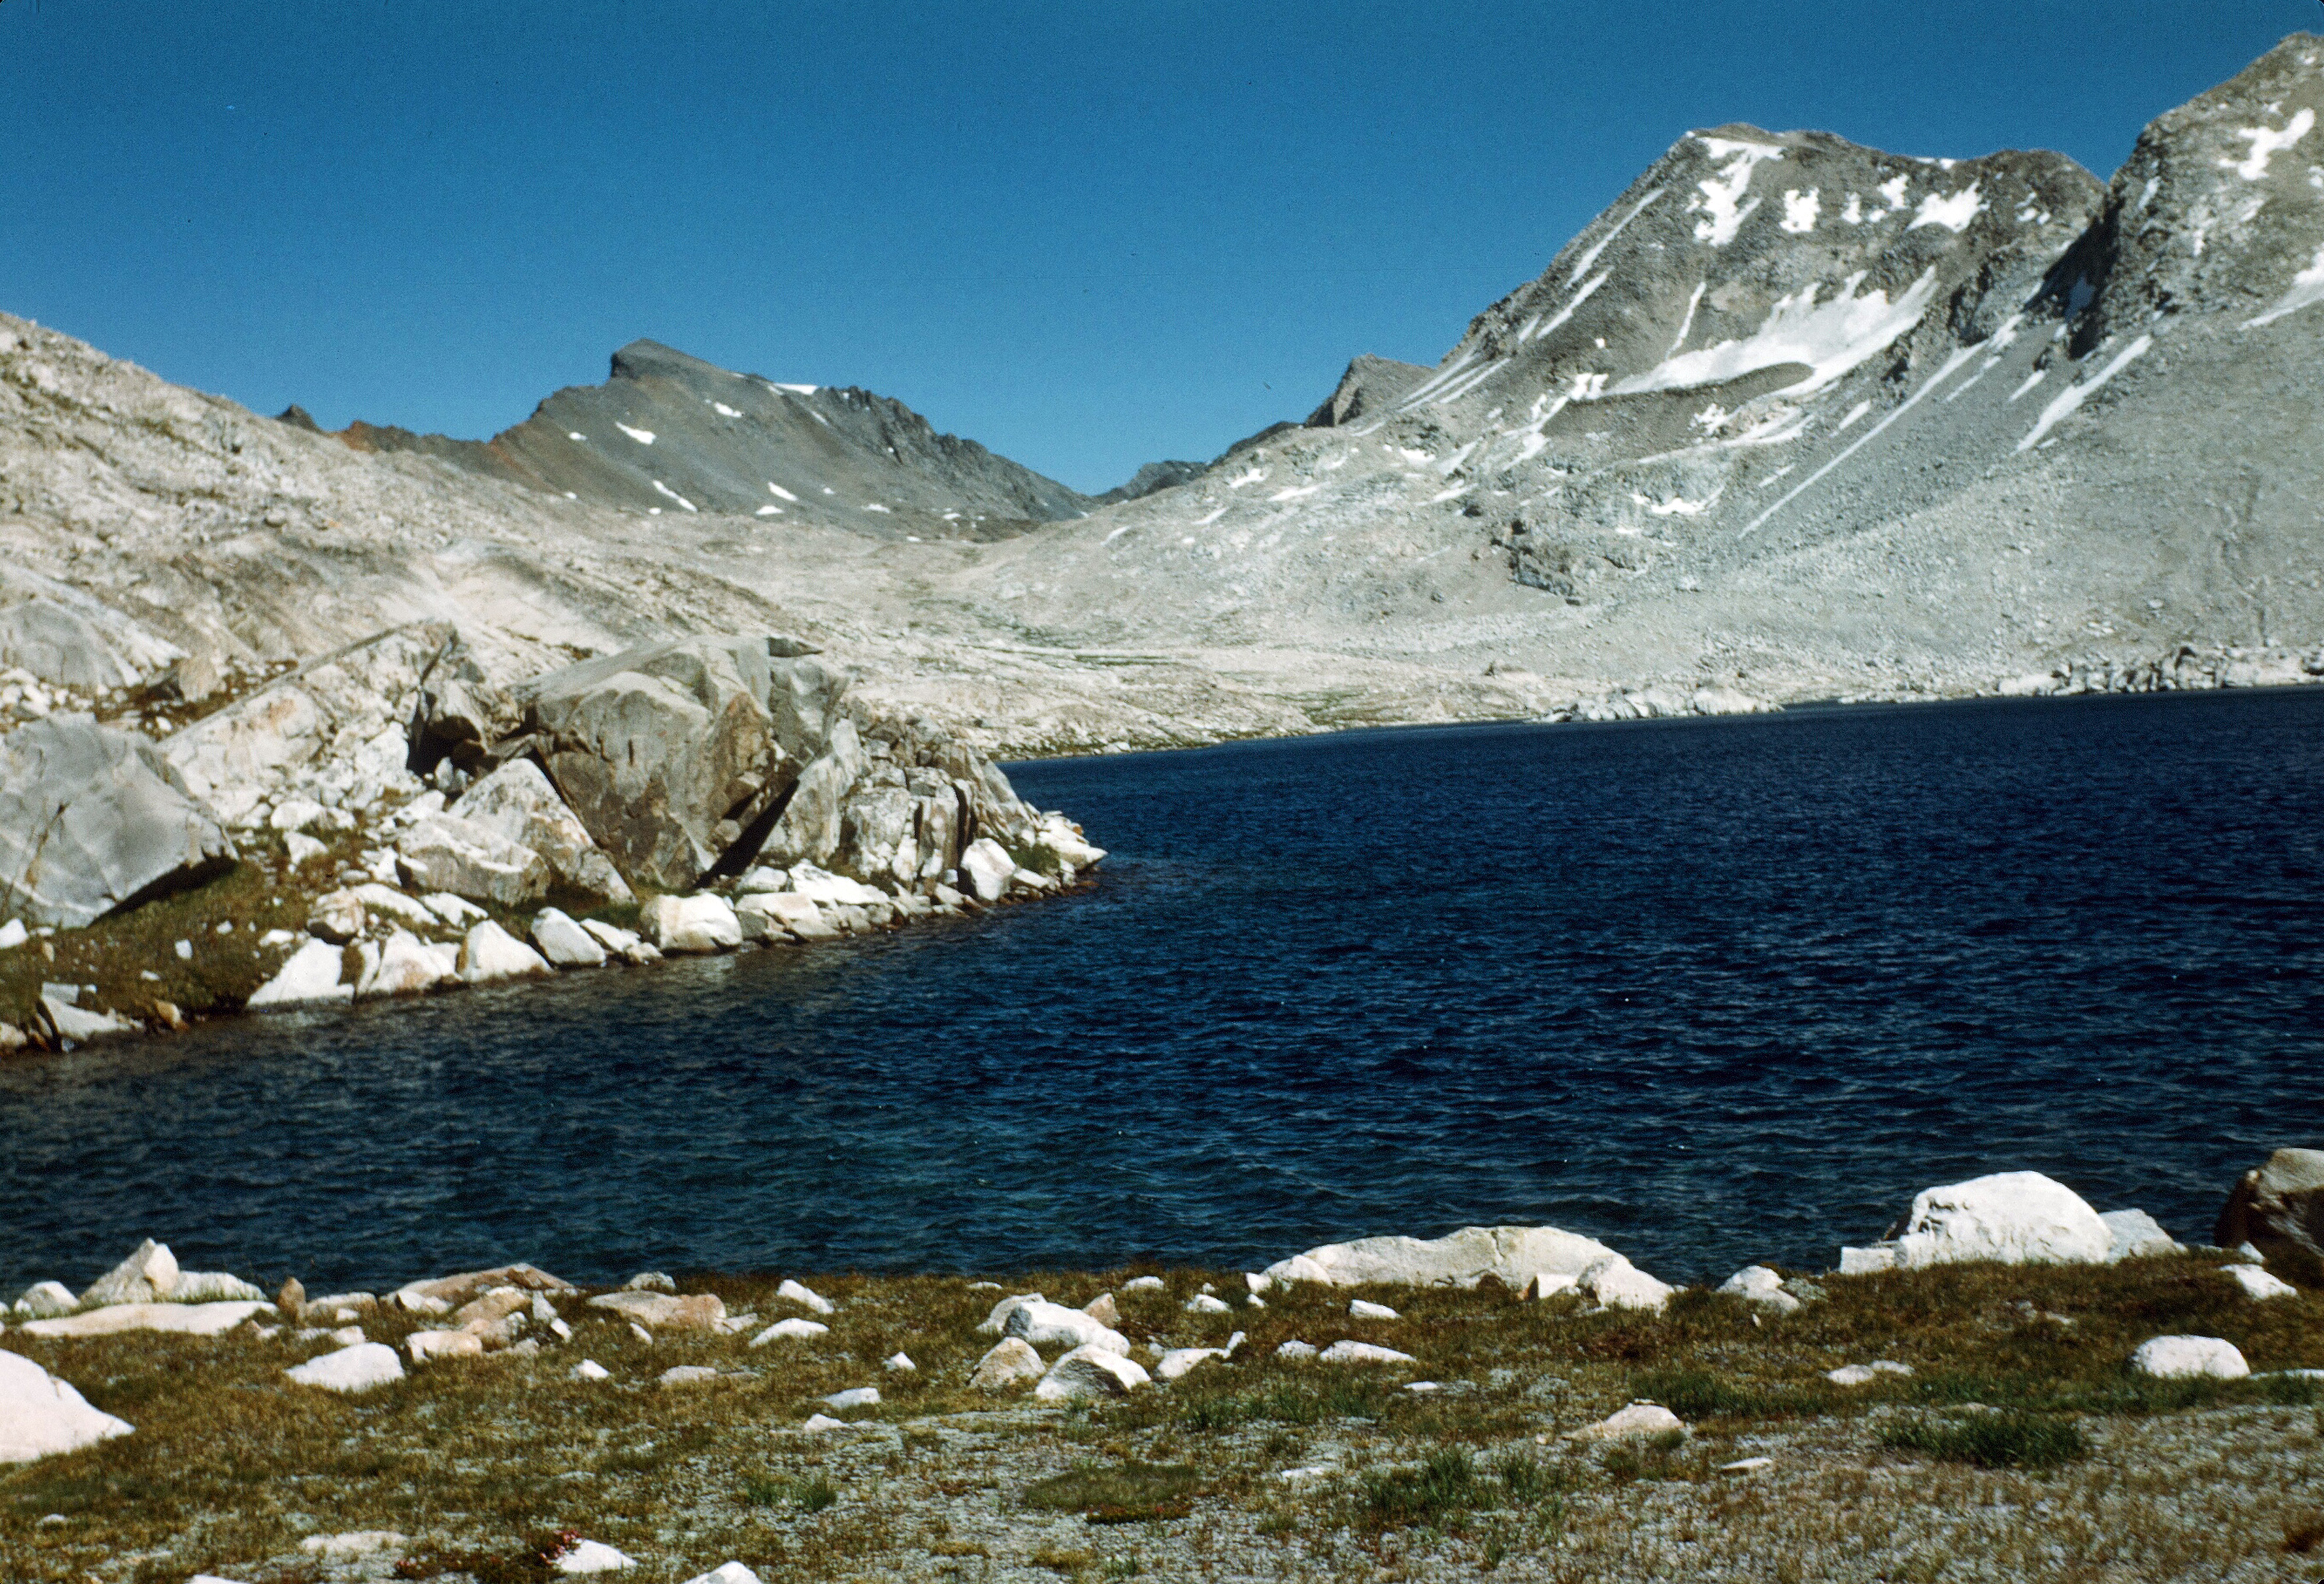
<point x="453" y="813"/>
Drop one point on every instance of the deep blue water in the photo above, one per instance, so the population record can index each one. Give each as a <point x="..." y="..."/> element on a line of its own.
<point x="1711" y="991"/>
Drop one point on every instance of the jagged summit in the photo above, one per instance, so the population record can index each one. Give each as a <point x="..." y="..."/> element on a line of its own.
<point x="670" y="432"/>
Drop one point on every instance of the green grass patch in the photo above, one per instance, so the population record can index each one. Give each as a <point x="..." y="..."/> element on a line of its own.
<point x="811" y="1495"/>
<point x="1125" y="1492"/>
<point x="1992" y="1441"/>
<point x="1696" y="1394"/>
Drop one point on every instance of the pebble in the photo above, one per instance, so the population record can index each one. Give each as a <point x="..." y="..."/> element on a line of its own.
<point x="590" y="1369"/>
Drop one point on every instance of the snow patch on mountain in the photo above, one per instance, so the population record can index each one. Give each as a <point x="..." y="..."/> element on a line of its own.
<point x="1829" y="337"/>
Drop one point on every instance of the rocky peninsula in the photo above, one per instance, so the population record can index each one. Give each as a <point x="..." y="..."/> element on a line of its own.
<point x="2013" y="1385"/>
<point x="416" y="813"/>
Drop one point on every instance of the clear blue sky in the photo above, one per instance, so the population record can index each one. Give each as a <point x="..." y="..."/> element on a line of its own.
<point x="1087" y="234"/>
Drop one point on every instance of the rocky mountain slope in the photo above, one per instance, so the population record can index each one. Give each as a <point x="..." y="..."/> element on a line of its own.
<point x="667" y="432"/>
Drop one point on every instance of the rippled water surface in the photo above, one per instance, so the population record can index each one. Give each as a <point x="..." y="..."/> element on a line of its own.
<point x="1711" y="991"/>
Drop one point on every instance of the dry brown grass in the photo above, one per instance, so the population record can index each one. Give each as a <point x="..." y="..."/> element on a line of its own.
<point x="230" y="1466"/>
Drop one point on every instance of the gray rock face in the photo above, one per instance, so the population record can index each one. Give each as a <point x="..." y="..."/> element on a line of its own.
<point x="666" y="751"/>
<point x="57" y="645"/>
<point x="516" y="803"/>
<point x="1370" y="385"/>
<point x="809" y="830"/>
<point x="93" y="819"/>
<point x="2278" y="1208"/>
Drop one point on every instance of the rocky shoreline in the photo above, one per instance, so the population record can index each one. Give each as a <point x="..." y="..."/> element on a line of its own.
<point x="1381" y="1363"/>
<point x="413" y="815"/>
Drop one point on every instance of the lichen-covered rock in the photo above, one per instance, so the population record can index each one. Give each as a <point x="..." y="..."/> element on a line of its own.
<point x="93" y="819"/>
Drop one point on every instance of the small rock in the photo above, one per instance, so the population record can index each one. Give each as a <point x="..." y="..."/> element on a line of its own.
<point x="987" y="867"/>
<point x="699" y="1312"/>
<point x="429" y="1345"/>
<point x="1091" y="1372"/>
<point x="590" y="1369"/>
<point x="356" y="1368"/>
<point x="823" y="1421"/>
<point x="1012" y="1363"/>
<point x="687" y="1374"/>
<point x="564" y="943"/>
<point x="1204" y="1304"/>
<point x="337" y="917"/>
<point x="626" y="945"/>
<point x="1548" y="1284"/>
<point x="1760" y="1286"/>
<point x="801" y="1329"/>
<point x="406" y="966"/>
<point x="491" y="955"/>
<point x="1637" y="1419"/>
<point x="1359" y="1309"/>
<point x="996" y="1322"/>
<point x="292" y="1298"/>
<point x="805" y="1296"/>
<point x="1363" y="1353"/>
<point x="1178" y="1361"/>
<point x="1043" y="1324"/>
<point x="46" y="1301"/>
<point x="701" y="922"/>
<point x="13" y="935"/>
<point x="1142" y="1285"/>
<point x="2189" y="1357"/>
<point x="901" y="1364"/>
<point x="2257" y="1283"/>
<point x="649" y="1281"/>
<point x="854" y="1397"/>
<point x="735" y="1572"/>
<point x="593" y="1556"/>
<point x="148" y="1276"/>
<point x="302" y="849"/>
<point x="311" y="974"/>
<point x="1857" y="1374"/>
<point x="453" y="910"/>
<point x="2133" y="1234"/>
<point x="1103" y="1310"/>
<point x="1618" y="1284"/>
<point x="1746" y="1465"/>
<point x="1295" y="1349"/>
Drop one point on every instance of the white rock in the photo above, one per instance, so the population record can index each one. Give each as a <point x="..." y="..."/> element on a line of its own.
<point x="2012" y="1218"/>
<point x="823" y="1421"/>
<point x="1294" y="1349"/>
<point x="427" y="1346"/>
<point x="1363" y="1353"/>
<point x="759" y="879"/>
<point x="311" y="974"/>
<point x="565" y="943"/>
<point x="383" y="898"/>
<point x="1868" y="1261"/>
<point x="358" y="1369"/>
<point x="193" y="1319"/>
<point x="1204" y="1304"/>
<point x="1762" y="1287"/>
<point x="854" y="1397"/>
<point x="1043" y="1324"/>
<point x="149" y="1275"/>
<point x="337" y="917"/>
<point x="781" y="1329"/>
<point x="801" y="916"/>
<point x="735" y="1572"/>
<point x="489" y="954"/>
<point x="696" y="923"/>
<point x="2133" y="1234"/>
<point x="805" y="1296"/>
<point x="2258" y="1284"/>
<point x="1360" y="1309"/>
<point x="1857" y="1374"/>
<point x="1549" y="1284"/>
<point x="407" y="966"/>
<point x="295" y="814"/>
<point x="1512" y="1254"/>
<point x="590" y="1369"/>
<point x="1618" y="1284"/>
<point x="1637" y="1419"/>
<point x="1142" y="1285"/>
<point x="13" y="935"/>
<point x="2189" y="1357"/>
<point x="46" y="1301"/>
<point x="356" y="1542"/>
<point x="41" y="1415"/>
<point x="1091" y="1372"/>
<point x="626" y="945"/>
<point x="678" y="1374"/>
<point x="453" y="910"/>
<point x="986" y="866"/>
<point x="901" y="1364"/>
<point x="1746" y="1465"/>
<point x="302" y="849"/>
<point x="1178" y="1361"/>
<point x="819" y="885"/>
<point x="593" y="1556"/>
<point x="1010" y="1363"/>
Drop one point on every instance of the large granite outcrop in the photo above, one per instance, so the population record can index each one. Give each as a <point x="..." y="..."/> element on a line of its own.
<point x="93" y="819"/>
